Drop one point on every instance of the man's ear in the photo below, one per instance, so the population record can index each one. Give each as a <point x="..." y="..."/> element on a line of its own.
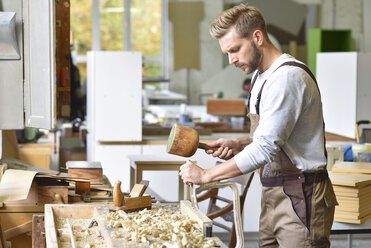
<point x="258" y="37"/>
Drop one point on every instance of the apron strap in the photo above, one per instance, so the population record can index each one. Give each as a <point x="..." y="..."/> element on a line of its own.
<point x="252" y="85"/>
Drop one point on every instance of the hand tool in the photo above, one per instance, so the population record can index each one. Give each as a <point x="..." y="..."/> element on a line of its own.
<point x="184" y="141"/>
<point x="133" y="202"/>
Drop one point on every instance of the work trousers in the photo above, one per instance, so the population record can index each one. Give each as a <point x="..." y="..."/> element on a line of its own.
<point x="297" y="215"/>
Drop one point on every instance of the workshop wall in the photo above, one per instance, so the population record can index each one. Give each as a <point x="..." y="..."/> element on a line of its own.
<point x="215" y="75"/>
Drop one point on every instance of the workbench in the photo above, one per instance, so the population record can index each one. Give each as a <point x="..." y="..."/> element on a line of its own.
<point x="117" y="229"/>
<point x="350" y="229"/>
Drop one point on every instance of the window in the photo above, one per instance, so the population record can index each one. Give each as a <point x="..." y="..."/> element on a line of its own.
<point x="105" y="25"/>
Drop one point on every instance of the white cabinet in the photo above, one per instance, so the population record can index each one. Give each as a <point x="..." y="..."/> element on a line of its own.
<point x="27" y="85"/>
<point x="115" y="96"/>
<point x="114" y="111"/>
<point x="344" y="82"/>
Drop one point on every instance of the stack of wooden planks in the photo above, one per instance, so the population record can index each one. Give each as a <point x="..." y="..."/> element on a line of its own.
<point x="352" y="186"/>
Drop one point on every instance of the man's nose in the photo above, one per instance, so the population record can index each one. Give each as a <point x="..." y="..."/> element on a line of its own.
<point x="232" y="59"/>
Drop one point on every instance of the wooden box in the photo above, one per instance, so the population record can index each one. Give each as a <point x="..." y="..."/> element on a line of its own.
<point x="86" y="170"/>
<point x="229" y="107"/>
<point x="37" y="156"/>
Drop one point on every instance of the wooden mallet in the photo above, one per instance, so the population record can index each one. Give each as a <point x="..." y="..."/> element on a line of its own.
<point x="184" y="141"/>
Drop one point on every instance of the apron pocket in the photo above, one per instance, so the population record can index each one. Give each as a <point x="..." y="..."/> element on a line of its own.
<point x="296" y="196"/>
<point x="330" y="198"/>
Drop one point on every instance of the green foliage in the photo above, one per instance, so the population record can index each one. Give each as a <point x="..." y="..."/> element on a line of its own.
<point x="145" y="28"/>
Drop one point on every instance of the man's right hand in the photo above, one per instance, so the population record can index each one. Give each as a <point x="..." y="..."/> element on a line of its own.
<point x="227" y="148"/>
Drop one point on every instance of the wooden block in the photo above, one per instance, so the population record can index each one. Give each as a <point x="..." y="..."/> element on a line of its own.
<point x="195" y="214"/>
<point x="46" y="194"/>
<point x="351" y="167"/>
<point x="236" y="107"/>
<point x="137" y="190"/>
<point x="137" y="203"/>
<point x="36" y="156"/>
<point x="94" y="175"/>
<point x="86" y="170"/>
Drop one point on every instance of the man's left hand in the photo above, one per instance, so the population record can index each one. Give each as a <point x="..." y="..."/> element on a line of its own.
<point x="191" y="173"/>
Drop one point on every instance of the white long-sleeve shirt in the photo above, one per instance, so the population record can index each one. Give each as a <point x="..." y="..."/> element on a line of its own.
<point x="291" y="119"/>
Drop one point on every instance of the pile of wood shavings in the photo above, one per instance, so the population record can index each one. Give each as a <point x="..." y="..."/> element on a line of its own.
<point x="160" y="227"/>
<point x="85" y="237"/>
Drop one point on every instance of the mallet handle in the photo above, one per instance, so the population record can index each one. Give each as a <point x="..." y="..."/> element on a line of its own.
<point x="206" y="147"/>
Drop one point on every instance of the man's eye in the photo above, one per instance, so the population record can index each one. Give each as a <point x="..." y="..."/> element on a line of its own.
<point x="235" y="50"/>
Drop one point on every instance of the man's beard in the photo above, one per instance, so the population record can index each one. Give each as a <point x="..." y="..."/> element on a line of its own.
<point x="254" y="62"/>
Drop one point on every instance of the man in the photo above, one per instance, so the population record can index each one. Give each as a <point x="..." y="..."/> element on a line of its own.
<point x="286" y="139"/>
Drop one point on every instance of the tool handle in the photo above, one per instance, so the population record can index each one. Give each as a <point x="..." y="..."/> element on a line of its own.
<point x="58" y="199"/>
<point x="118" y="196"/>
<point x="206" y="147"/>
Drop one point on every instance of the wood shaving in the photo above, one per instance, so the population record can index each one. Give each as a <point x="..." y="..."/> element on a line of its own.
<point x="159" y="227"/>
<point x="84" y="236"/>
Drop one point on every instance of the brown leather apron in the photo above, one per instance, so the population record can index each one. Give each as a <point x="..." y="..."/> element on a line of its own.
<point x="287" y="188"/>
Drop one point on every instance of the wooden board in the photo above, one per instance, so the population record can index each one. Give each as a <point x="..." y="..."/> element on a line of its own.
<point x="38" y="231"/>
<point x="355" y="203"/>
<point x="349" y="220"/>
<point x="228" y="107"/>
<point x="363" y="193"/>
<point x="359" y="214"/>
<point x="46" y="194"/>
<point x="351" y="167"/>
<point x="95" y="175"/>
<point x="354" y="190"/>
<point x="354" y="209"/>
<point x="353" y="180"/>
<point x="195" y="214"/>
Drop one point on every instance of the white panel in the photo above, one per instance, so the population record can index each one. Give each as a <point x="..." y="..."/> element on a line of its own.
<point x="39" y="65"/>
<point x="337" y="80"/>
<point x="11" y="77"/>
<point x="363" y="87"/>
<point x="118" y="98"/>
<point x="90" y="107"/>
<point x="367" y="25"/>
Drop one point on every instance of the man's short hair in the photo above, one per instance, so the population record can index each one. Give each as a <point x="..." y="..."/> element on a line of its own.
<point x="246" y="19"/>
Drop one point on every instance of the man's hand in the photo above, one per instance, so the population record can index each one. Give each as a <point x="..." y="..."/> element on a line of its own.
<point x="227" y="148"/>
<point x="191" y="173"/>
